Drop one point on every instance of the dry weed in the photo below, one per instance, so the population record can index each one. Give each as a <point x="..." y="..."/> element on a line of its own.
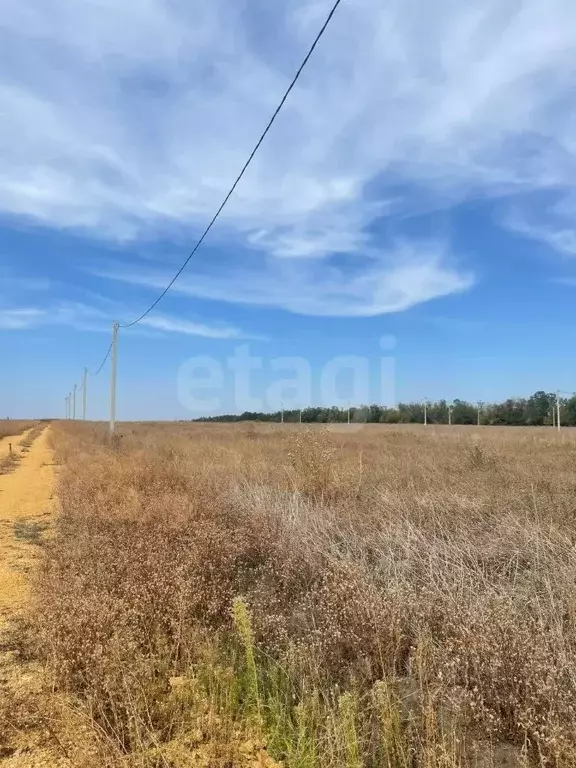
<point x="409" y="594"/>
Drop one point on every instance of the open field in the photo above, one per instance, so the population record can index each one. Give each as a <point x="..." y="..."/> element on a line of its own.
<point x="252" y="595"/>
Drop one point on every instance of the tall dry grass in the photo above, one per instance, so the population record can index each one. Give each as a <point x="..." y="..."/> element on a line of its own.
<point x="389" y="597"/>
<point x="14" y="427"/>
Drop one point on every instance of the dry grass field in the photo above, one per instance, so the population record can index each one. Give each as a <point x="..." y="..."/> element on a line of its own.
<point x="13" y="427"/>
<point x="256" y="595"/>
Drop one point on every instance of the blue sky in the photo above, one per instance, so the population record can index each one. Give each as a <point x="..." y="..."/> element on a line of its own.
<point x="418" y="185"/>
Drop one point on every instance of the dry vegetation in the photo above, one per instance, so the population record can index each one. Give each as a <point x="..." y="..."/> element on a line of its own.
<point x="8" y="428"/>
<point x="13" y="427"/>
<point x="232" y="595"/>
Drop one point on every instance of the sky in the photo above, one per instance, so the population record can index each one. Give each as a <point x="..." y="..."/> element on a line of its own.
<point x="406" y="231"/>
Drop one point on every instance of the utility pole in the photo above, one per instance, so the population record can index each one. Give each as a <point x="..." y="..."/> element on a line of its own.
<point x="449" y="415"/>
<point x="282" y="413"/>
<point x="113" y="378"/>
<point x="348" y="414"/>
<point x="479" y="409"/>
<point x="425" y="412"/>
<point x="84" y="394"/>
<point x="300" y="417"/>
<point x="74" y="402"/>
<point x="558" y="423"/>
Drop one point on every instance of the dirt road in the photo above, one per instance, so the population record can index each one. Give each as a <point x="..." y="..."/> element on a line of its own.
<point x="27" y="506"/>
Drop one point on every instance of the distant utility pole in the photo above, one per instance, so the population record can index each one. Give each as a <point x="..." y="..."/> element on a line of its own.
<point x="114" y="369"/>
<point x="348" y="414"/>
<point x="479" y="410"/>
<point x="449" y="415"/>
<point x="425" y="412"/>
<point x="84" y="394"/>
<point x="558" y="421"/>
<point x="282" y="414"/>
<point x="300" y="417"/>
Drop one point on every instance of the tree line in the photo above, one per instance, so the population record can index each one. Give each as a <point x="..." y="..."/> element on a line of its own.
<point x="537" y="410"/>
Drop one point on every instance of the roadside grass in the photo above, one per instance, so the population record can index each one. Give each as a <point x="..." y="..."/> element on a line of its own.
<point x="9" y="462"/>
<point x="30" y="531"/>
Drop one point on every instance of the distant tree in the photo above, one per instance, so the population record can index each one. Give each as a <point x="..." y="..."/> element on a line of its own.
<point x="538" y="408"/>
<point x="535" y="410"/>
<point x="438" y="412"/>
<point x="568" y="411"/>
<point x="463" y="412"/>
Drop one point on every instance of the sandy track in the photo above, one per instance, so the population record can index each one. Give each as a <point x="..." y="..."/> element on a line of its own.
<point x="27" y="506"/>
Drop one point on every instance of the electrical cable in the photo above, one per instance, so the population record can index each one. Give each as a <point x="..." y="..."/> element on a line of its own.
<point x="103" y="363"/>
<point x="234" y="185"/>
<point x="243" y="171"/>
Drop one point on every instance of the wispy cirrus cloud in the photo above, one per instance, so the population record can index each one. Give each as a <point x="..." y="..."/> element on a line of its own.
<point x="84" y="317"/>
<point x="396" y="281"/>
<point x="128" y="120"/>
<point x="168" y="324"/>
<point x="551" y="223"/>
<point x="19" y="319"/>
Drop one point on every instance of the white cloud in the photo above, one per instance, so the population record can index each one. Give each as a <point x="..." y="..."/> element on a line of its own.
<point x="73" y="314"/>
<point x="406" y="276"/>
<point x="84" y="317"/>
<point x="128" y="119"/>
<point x="552" y="224"/>
<point x="561" y="239"/>
<point x="20" y="318"/>
<point x="188" y="328"/>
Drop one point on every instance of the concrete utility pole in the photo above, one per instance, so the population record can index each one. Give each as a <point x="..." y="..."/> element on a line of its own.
<point x="479" y="409"/>
<point x="84" y="394"/>
<point x="449" y="415"/>
<point x="300" y="417"/>
<point x="558" y="422"/>
<point x="348" y="414"/>
<point x="113" y="378"/>
<point x="74" y="402"/>
<point x="425" y="412"/>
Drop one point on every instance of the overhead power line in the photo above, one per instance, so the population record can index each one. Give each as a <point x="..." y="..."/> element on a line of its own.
<point x="103" y="363"/>
<point x="112" y="349"/>
<point x="242" y="172"/>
